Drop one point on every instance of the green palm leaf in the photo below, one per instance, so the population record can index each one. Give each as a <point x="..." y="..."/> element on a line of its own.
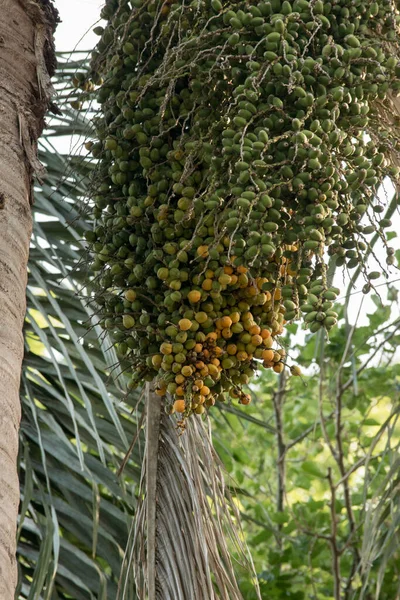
<point x="74" y="514"/>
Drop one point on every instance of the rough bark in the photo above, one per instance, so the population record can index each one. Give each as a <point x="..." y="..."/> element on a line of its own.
<point x="26" y="64"/>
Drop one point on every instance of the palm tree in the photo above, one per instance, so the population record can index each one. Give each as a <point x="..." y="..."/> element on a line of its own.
<point x="76" y="516"/>
<point x="26" y="34"/>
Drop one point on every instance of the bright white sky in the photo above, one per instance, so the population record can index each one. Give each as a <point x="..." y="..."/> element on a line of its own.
<point x="78" y="19"/>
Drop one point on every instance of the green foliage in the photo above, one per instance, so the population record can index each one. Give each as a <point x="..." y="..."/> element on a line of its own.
<point x="324" y="483"/>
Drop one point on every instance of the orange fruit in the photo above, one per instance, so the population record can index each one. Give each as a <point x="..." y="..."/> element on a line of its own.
<point x="194" y="296"/>
<point x="207" y="285"/>
<point x="278" y="367"/>
<point x="245" y="399"/>
<point x="225" y="322"/>
<point x="268" y="355"/>
<point x="202" y="251"/>
<point x="227" y="333"/>
<point x="256" y="340"/>
<point x="254" y="330"/>
<point x="179" y="406"/>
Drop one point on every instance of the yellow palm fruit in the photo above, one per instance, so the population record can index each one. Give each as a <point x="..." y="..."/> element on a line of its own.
<point x="179" y="406"/>
<point x="156" y="361"/>
<point x="243" y="280"/>
<point x="224" y="279"/>
<point x="185" y="324"/>
<point x="202" y="251"/>
<point x="207" y="285"/>
<point x="256" y="340"/>
<point x="226" y="333"/>
<point x="268" y="342"/>
<point x="268" y="355"/>
<point x="130" y="295"/>
<point x="194" y="296"/>
<point x="255" y="330"/>
<point x="225" y="322"/>
<point x="187" y="371"/>
<point x="295" y="370"/>
<point x="213" y="370"/>
<point x="166" y="348"/>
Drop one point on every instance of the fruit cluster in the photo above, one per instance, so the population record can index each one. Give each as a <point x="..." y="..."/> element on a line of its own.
<point x="240" y="145"/>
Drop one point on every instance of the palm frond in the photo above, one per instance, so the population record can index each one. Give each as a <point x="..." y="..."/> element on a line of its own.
<point x="76" y="427"/>
<point x="186" y="529"/>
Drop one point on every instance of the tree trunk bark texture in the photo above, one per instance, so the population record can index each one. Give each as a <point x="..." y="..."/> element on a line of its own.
<point x="26" y="65"/>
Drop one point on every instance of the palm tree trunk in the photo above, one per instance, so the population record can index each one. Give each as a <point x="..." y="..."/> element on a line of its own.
<point x="26" y="64"/>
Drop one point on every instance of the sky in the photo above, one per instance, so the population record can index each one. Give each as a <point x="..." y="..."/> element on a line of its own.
<point x="78" y="19"/>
